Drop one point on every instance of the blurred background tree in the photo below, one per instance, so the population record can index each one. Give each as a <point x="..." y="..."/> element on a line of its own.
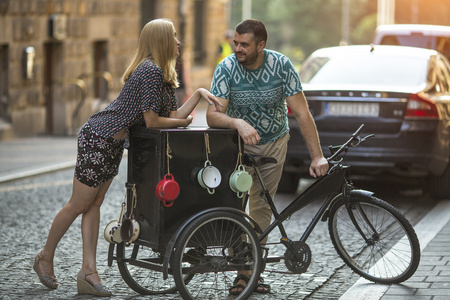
<point x="436" y="12"/>
<point x="299" y="27"/>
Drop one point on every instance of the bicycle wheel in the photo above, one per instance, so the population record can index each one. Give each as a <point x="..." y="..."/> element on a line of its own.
<point x="391" y="251"/>
<point x="214" y="247"/>
<point x="139" y="278"/>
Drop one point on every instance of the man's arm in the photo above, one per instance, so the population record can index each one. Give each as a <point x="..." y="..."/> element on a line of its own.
<point x="219" y="119"/>
<point x="299" y="107"/>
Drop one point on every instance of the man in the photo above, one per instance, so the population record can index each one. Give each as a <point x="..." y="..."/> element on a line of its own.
<point x="254" y="86"/>
<point x="226" y="47"/>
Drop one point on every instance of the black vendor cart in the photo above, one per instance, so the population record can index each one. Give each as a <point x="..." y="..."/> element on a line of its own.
<point x="148" y="164"/>
<point x="184" y="229"/>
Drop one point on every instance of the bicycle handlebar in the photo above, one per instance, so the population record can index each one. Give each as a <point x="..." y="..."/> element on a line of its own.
<point x="358" y="131"/>
<point x="348" y="144"/>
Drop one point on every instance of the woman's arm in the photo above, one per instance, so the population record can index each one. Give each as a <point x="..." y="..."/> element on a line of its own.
<point x="153" y="120"/>
<point x="181" y="117"/>
<point x="186" y="109"/>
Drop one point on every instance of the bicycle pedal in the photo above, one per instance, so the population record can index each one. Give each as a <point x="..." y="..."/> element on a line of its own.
<point x="274" y="259"/>
<point x="285" y="240"/>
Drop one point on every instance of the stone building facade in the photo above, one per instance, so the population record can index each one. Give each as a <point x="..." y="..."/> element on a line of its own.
<point x="62" y="60"/>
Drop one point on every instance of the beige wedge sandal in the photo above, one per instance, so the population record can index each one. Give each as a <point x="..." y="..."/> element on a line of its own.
<point x="84" y="287"/>
<point x="48" y="281"/>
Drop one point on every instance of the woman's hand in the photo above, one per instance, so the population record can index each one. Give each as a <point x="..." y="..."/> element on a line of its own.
<point x="210" y="98"/>
<point x="186" y="109"/>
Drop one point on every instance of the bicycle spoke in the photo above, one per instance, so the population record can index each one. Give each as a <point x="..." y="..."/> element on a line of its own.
<point x="390" y="252"/>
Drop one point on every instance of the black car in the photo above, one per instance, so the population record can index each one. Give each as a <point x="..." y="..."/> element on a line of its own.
<point x="401" y="94"/>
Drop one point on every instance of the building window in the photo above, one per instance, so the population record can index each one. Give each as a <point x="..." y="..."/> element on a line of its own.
<point x="148" y="11"/>
<point x="199" y="51"/>
<point x="101" y="75"/>
<point x="53" y="72"/>
<point x="4" y="95"/>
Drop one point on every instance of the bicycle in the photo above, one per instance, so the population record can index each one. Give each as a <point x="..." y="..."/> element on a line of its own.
<point x="371" y="236"/>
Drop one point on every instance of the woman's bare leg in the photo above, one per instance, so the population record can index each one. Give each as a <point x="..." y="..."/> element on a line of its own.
<point x="81" y="200"/>
<point x="90" y="223"/>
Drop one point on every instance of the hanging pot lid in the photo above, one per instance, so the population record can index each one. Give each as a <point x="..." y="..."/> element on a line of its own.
<point x="210" y="177"/>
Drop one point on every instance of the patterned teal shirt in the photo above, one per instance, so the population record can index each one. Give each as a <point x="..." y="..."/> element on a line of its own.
<point x="258" y="96"/>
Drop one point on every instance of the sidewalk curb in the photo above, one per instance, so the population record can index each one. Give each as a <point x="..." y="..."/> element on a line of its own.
<point x="37" y="171"/>
<point x="46" y="169"/>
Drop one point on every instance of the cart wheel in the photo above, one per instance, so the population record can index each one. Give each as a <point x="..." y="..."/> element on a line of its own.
<point x="214" y="247"/>
<point x="147" y="280"/>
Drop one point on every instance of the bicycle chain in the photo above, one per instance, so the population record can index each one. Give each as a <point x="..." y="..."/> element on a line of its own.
<point x="298" y="262"/>
<point x="291" y="261"/>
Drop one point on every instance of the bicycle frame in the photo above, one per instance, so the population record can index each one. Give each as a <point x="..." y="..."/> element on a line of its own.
<point x="328" y="186"/>
<point x="334" y="183"/>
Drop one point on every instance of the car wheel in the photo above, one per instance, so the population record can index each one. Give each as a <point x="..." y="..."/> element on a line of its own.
<point x="439" y="185"/>
<point x="288" y="183"/>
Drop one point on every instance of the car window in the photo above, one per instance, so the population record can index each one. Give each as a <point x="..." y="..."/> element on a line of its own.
<point x="439" y="43"/>
<point x="389" y="40"/>
<point x="432" y="86"/>
<point x="311" y="68"/>
<point x="446" y="71"/>
<point x="444" y="76"/>
<point x="413" y="40"/>
<point x="443" y="46"/>
<point x="383" y="70"/>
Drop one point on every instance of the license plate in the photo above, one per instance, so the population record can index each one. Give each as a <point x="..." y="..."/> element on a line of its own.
<point x="352" y="109"/>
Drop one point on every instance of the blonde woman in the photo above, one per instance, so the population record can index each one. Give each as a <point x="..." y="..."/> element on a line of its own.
<point x="148" y="96"/>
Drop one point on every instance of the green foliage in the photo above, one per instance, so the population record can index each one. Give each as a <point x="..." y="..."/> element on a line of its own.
<point x="299" y="27"/>
<point x="364" y="31"/>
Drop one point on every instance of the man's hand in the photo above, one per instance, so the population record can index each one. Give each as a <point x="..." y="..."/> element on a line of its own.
<point x="217" y="118"/>
<point x="247" y="132"/>
<point x="319" y="167"/>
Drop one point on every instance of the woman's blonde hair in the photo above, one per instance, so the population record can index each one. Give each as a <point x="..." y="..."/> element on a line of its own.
<point x="157" y="41"/>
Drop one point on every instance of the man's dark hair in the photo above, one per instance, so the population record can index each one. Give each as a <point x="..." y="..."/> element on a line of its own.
<point x="253" y="26"/>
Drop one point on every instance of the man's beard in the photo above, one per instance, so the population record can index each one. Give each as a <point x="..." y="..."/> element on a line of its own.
<point x="249" y="59"/>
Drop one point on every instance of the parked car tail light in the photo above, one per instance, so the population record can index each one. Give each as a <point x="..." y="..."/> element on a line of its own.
<point x="289" y="110"/>
<point x="421" y="107"/>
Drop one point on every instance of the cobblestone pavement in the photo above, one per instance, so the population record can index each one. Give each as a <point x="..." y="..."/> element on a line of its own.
<point x="431" y="281"/>
<point x="29" y="205"/>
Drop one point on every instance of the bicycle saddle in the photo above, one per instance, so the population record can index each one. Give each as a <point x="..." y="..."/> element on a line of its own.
<point x="258" y="160"/>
